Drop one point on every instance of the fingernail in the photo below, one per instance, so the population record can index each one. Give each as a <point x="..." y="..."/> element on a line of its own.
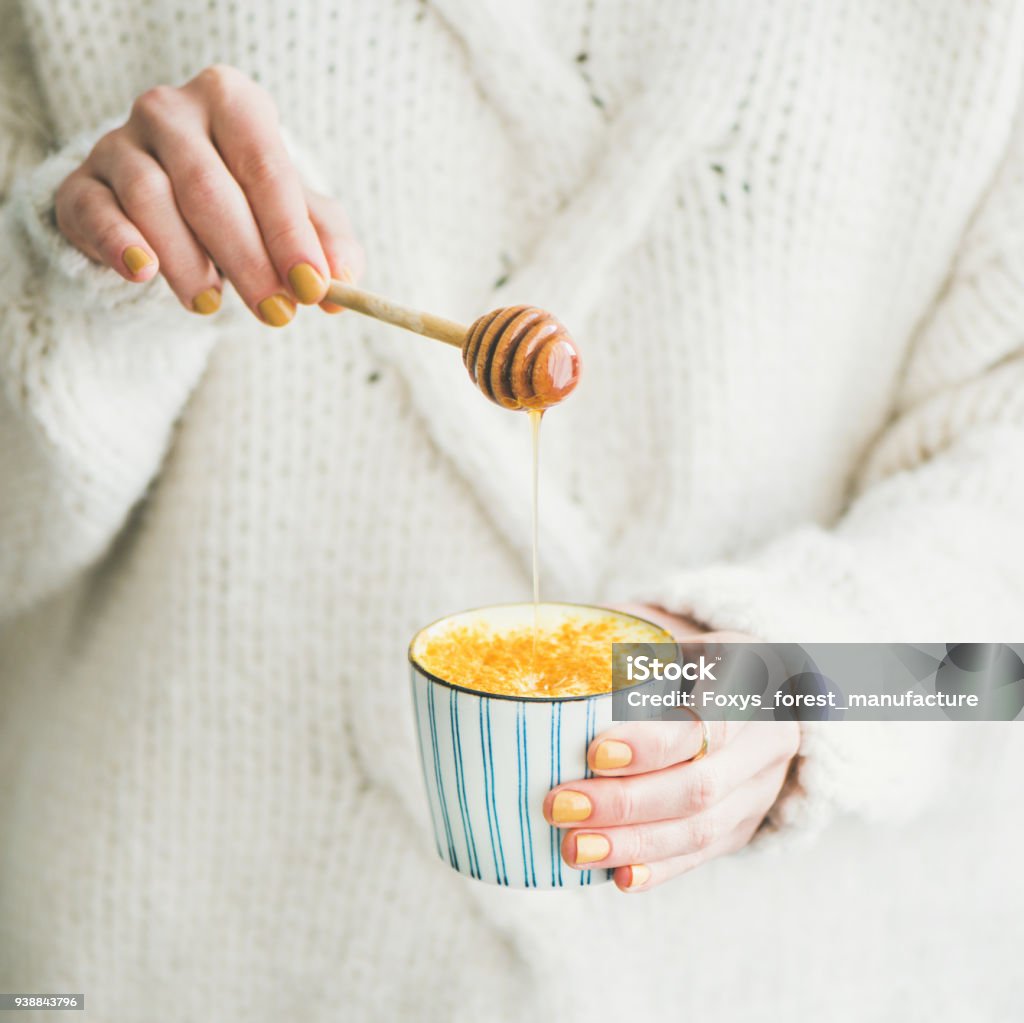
<point x="591" y="848"/>
<point x="307" y="283"/>
<point x="277" y="310"/>
<point x="570" y="806"/>
<point x="639" y="874"/>
<point x="136" y="259"/>
<point x="206" y="302"/>
<point x="611" y="754"/>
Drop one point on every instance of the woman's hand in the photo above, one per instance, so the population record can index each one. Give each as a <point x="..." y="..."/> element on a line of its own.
<point x="198" y="186"/>
<point x="652" y="813"/>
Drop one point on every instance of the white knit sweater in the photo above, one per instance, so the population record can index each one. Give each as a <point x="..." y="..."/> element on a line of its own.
<point x="790" y="240"/>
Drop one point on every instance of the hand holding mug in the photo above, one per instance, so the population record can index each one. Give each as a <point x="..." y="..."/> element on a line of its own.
<point x="658" y="806"/>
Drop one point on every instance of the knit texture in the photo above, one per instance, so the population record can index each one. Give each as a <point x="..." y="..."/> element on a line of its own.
<point x="788" y="238"/>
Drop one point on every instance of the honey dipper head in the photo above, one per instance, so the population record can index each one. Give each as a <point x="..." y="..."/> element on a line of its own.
<point x="521" y="358"/>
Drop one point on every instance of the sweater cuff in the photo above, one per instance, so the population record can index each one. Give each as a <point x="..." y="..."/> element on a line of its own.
<point x="72" y="281"/>
<point x="94" y="368"/>
<point x="804" y="588"/>
<point x="51" y="268"/>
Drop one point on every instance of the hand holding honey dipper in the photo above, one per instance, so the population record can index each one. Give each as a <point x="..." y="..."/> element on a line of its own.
<point x="198" y="186"/>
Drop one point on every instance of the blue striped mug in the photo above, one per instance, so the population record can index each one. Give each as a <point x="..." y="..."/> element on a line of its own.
<point x="489" y="760"/>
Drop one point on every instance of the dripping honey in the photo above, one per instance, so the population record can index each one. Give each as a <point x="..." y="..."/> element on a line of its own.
<point x="535" y="418"/>
<point x="568" y="657"/>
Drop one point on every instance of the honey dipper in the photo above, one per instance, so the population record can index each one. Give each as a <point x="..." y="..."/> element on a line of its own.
<point x="519" y="356"/>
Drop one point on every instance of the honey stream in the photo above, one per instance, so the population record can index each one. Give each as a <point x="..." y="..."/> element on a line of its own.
<point x="535" y="417"/>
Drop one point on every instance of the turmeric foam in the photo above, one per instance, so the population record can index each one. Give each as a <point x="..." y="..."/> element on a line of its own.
<point x="573" y="657"/>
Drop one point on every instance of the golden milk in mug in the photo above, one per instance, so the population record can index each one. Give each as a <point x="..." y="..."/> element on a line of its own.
<point x="504" y="712"/>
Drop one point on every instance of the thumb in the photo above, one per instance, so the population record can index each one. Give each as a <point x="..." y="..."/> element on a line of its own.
<point x="345" y="256"/>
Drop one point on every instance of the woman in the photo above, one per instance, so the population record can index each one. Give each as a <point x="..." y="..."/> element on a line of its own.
<point x="784" y="239"/>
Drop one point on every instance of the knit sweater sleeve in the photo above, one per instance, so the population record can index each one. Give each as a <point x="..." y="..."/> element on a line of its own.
<point x="929" y="548"/>
<point x="94" y="370"/>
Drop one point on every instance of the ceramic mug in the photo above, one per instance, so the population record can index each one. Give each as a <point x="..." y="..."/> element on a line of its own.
<point x="489" y="760"/>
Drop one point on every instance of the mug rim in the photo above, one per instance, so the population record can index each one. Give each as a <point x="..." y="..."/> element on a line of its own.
<point x="431" y="677"/>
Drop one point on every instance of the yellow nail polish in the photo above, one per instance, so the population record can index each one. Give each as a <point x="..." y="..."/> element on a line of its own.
<point x="206" y="302"/>
<point x="591" y="848"/>
<point x="277" y="310"/>
<point x="136" y="259"/>
<point x="639" y="874"/>
<point x="569" y="806"/>
<point x="612" y="754"/>
<point x="307" y="284"/>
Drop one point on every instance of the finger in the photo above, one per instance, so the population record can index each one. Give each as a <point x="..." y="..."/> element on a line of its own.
<point x="88" y="215"/>
<point x="146" y="195"/>
<point x="641" y="877"/>
<point x="246" y="135"/>
<point x="679" y="628"/>
<point x="678" y="791"/>
<point x="211" y="201"/>
<point x="659" y="840"/>
<point x="345" y="258"/>
<point x="217" y="212"/>
<point x="637" y="747"/>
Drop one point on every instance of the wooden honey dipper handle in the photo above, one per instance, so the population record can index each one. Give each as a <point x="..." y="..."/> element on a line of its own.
<point x="380" y="308"/>
<point x="520" y="357"/>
